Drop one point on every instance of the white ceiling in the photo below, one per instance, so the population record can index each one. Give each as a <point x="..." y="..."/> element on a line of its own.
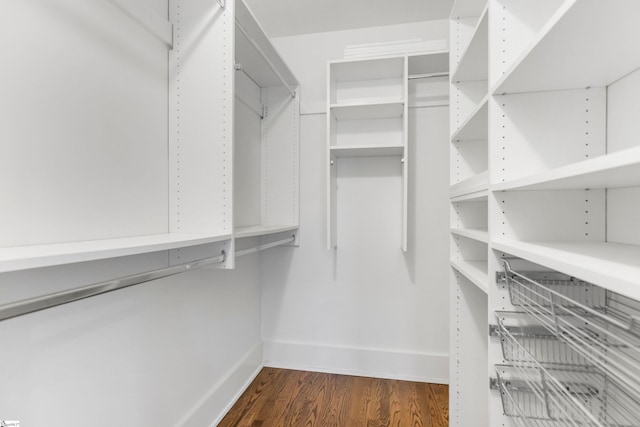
<point x="292" y="17"/>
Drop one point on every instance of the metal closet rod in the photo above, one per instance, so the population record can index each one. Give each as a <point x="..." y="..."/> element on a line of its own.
<point x="264" y="56"/>
<point x="31" y="305"/>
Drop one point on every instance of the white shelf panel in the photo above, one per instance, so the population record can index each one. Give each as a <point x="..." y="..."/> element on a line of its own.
<point x="368" y="110"/>
<point x="586" y="43"/>
<point x="475" y="271"/>
<point x="475" y="184"/>
<point x="476" y="125"/>
<point x="610" y="265"/>
<point x="36" y="256"/>
<point x="474" y="62"/>
<point x="367" y="151"/>
<point x="619" y="169"/>
<point x="482" y="195"/>
<point x="367" y="69"/>
<point x="472" y="233"/>
<point x="261" y="230"/>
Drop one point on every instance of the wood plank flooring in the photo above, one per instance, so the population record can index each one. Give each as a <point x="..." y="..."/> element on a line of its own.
<point x="279" y="397"/>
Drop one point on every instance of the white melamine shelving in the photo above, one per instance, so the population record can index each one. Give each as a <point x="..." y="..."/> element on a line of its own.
<point x="475" y="184"/>
<point x="473" y="64"/>
<point x="475" y="127"/>
<point x="259" y="230"/>
<point x="367" y="151"/>
<point x="580" y="34"/>
<point x="620" y="169"/>
<point x="368" y="110"/>
<point x="36" y="256"/>
<point x="475" y="271"/>
<point x="480" y="235"/>
<point x="610" y="265"/>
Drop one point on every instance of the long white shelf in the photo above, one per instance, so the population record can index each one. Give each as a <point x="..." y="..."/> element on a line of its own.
<point x="368" y="110"/>
<point x="619" y="169"/>
<point x="475" y="271"/>
<point x="584" y="44"/>
<point x="367" y="150"/>
<point x="475" y="184"/>
<point x="472" y="233"/>
<point x="25" y="257"/>
<point x="261" y="230"/>
<point x="482" y="195"/>
<point x="611" y="265"/>
<point x="473" y="63"/>
<point x="476" y="126"/>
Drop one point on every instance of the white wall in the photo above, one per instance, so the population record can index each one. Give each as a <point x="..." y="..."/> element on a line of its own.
<point x="365" y="308"/>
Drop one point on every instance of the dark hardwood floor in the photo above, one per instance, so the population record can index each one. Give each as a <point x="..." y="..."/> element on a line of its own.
<point x="279" y="397"/>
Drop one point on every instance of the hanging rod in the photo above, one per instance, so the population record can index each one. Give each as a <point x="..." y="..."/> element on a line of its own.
<point x="55" y="299"/>
<point x="264" y="246"/>
<point x="427" y="76"/>
<point x="264" y="56"/>
<point x="31" y="305"/>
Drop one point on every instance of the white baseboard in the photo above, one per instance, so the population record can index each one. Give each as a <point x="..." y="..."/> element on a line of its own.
<point x="422" y="367"/>
<point x="214" y="405"/>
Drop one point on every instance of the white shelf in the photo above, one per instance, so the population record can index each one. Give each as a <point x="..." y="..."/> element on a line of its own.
<point x="476" y="125"/>
<point x="472" y="233"/>
<point x="620" y="169"/>
<point x="368" y="110"/>
<point x="261" y="230"/>
<point x="475" y="271"/>
<point x="367" y="151"/>
<point x="36" y="256"/>
<point x="482" y="195"/>
<point x="610" y="265"/>
<point x="467" y="8"/>
<point x="474" y="61"/>
<point x="475" y="184"/>
<point x="586" y="43"/>
<point x="367" y="69"/>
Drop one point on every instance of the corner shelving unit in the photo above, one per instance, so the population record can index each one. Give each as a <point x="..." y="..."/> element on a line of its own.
<point x="469" y="184"/>
<point x="266" y="135"/>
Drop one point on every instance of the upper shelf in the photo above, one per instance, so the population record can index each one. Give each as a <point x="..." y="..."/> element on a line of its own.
<point x="467" y="8"/>
<point x="586" y="43"/>
<point x="619" y="169"/>
<point x="611" y="265"/>
<point x="367" y="69"/>
<point x="368" y="110"/>
<point x="473" y="63"/>
<point x="36" y="256"/>
<point x="367" y="150"/>
<point x="475" y="184"/>
<point x="261" y="230"/>
<point x="475" y="126"/>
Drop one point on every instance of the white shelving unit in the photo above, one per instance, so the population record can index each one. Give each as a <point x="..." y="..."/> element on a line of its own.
<point x="469" y="185"/>
<point x="367" y="116"/>
<point x="266" y="135"/>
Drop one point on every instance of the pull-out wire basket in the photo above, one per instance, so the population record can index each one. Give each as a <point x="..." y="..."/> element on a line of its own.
<point x="575" y="329"/>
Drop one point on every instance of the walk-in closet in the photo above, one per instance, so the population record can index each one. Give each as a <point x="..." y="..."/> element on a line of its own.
<point x="335" y="213"/>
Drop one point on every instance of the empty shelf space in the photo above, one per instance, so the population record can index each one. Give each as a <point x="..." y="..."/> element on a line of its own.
<point x="367" y="69"/>
<point x="368" y="110"/>
<point x="25" y="257"/>
<point x="466" y="8"/>
<point x="610" y="265"/>
<point x="471" y="185"/>
<point x="480" y="235"/>
<point x="473" y="63"/>
<point x="367" y="151"/>
<point x="619" y="169"/>
<point x="475" y="271"/>
<point x="475" y="127"/>
<point x="482" y="195"/>
<point x="582" y="45"/>
<point x="261" y="230"/>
